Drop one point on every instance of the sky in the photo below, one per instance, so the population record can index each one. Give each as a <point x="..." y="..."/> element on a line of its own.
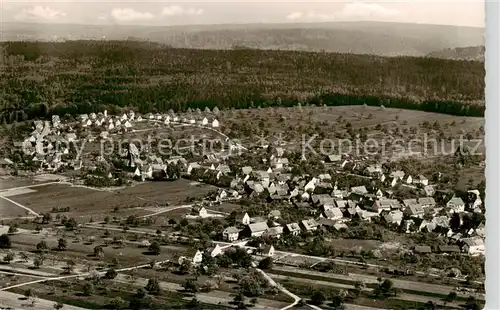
<point x="165" y="13"/>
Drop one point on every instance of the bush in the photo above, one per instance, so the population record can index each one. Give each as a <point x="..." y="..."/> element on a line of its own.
<point x="111" y="274"/>
<point x="318" y="298"/>
<point x="153" y="287"/>
<point x="266" y="263"/>
<point x="5" y="241"/>
<point x="155" y="248"/>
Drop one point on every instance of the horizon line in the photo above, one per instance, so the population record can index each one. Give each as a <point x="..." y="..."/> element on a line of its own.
<point x="238" y="24"/>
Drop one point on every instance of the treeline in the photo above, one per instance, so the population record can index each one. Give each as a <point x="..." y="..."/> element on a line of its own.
<point x="42" y="78"/>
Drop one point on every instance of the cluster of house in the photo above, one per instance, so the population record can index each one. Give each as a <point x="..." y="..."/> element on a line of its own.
<point x="333" y="207"/>
<point x="49" y="142"/>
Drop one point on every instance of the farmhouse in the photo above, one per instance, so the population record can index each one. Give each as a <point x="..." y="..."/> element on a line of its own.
<point x="255" y="229"/>
<point x="456" y="205"/>
<point x="473" y="246"/>
<point x="230" y="233"/>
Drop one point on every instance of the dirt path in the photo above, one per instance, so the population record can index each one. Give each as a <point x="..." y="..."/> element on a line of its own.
<point x="17" y="302"/>
<point x="20" y="205"/>
<point x="368" y="279"/>
<point x="403" y="296"/>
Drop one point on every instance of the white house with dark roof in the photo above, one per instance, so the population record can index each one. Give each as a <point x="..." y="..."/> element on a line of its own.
<point x="309" y="225"/>
<point x="473" y="246"/>
<point x="292" y="228"/>
<point x="230" y="234"/>
<point x="475" y="198"/>
<point x="244" y="219"/>
<point x="456" y="205"/>
<point x="256" y="229"/>
<point x="420" y="179"/>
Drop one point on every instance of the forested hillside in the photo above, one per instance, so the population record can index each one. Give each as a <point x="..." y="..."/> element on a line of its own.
<point x="461" y="53"/>
<point x="38" y="79"/>
<point x="377" y="38"/>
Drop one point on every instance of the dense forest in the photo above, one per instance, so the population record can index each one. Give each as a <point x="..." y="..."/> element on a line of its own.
<point x="41" y="78"/>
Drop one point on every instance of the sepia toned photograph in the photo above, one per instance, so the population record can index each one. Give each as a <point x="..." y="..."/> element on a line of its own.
<point x="266" y="155"/>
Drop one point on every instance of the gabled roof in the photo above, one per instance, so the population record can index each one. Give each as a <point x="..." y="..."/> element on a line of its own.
<point x="455" y="201"/>
<point x="397" y="174"/>
<point x="309" y="224"/>
<point x="231" y="230"/>
<point x="410" y="202"/>
<point x="426" y="201"/>
<point x="258" y="227"/>
<point x="394" y="216"/>
<point x="361" y="190"/>
<point x="293" y="227"/>
<point x="274" y="231"/>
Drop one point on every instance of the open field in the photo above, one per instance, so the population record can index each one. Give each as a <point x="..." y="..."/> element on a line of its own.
<point x="10" y="210"/>
<point x="80" y="200"/>
<point x="84" y="201"/>
<point x="173" y="193"/>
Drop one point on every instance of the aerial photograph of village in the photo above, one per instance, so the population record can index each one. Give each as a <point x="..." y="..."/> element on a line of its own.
<point x="328" y="165"/>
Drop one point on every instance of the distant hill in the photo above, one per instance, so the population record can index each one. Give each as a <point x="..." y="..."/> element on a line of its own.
<point x="378" y="38"/>
<point x="461" y="53"/>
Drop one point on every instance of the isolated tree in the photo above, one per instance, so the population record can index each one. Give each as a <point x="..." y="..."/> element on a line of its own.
<point x="118" y="303"/>
<point x="153" y="286"/>
<point x="239" y="300"/>
<point x="140" y="300"/>
<point x="154" y="248"/>
<point x="358" y="287"/>
<point x="193" y="303"/>
<point x="318" y="298"/>
<point x="190" y="286"/>
<point x="88" y="289"/>
<point x="8" y="257"/>
<point x="42" y="247"/>
<point x="46" y="218"/>
<point x="111" y="274"/>
<point x="266" y="263"/>
<point x="38" y="261"/>
<point x="5" y="241"/>
<point x="99" y="252"/>
<point x="337" y="301"/>
<point x="12" y="229"/>
<point x="28" y="293"/>
<point x="58" y="305"/>
<point x="62" y="244"/>
<point x="70" y="266"/>
<point x="24" y="257"/>
<point x="451" y="297"/>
